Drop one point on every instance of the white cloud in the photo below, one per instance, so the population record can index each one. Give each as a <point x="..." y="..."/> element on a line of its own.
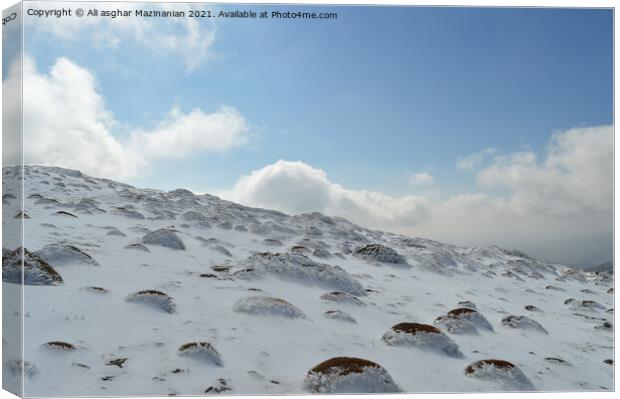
<point x="474" y="160"/>
<point x="296" y="187"/>
<point x="189" y="39"/>
<point x="66" y="123"/>
<point x="184" y="134"/>
<point x="558" y="208"/>
<point x="422" y="179"/>
<point x="575" y="175"/>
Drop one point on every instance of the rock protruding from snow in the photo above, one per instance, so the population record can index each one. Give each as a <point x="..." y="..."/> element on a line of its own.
<point x="463" y="321"/>
<point x="505" y="374"/>
<point x="36" y="270"/>
<point x="302" y="268"/>
<point x="523" y="322"/>
<point x="153" y="298"/>
<point x="165" y="238"/>
<point x="423" y="336"/>
<point x="349" y="375"/>
<point x="201" y="350"/>
<point x="264" y="306"/>
<point x="63" y="254"/>
<point x="379" y="253"/>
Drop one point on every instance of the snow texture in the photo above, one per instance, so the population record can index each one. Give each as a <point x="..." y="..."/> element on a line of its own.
<point x="229" y="299"/>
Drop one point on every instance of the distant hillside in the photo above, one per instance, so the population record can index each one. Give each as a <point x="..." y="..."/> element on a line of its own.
<point x="603" y="267"/>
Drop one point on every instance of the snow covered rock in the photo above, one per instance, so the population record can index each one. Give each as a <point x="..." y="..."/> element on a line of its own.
<point x="165" y="238"/>
<point x="463" y="321"/>
<point x="349" y="375"/>
<point x="63" y="254"/>
<point x="201" y="350"/>
<point x="138" y="247"/>
<point x="505" y="374"/>
<point x="36" y="270"/>
<point x="301" y="268"/>
<point x="379" y="253"/>
<point x="523" y="322"/>
<point x="263" y="306"/>
<point x="342" y="297"/>
<point x="339" y="315"/>
<point x="583" y="305"/>
<point x="153" y="298"/>
<point x="421" y="336"/>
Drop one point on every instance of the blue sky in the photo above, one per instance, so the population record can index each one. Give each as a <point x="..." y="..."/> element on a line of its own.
<point x="369" y="99"/>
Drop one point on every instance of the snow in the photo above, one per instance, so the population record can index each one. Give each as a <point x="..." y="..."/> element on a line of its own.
<point x="263" y="352"/>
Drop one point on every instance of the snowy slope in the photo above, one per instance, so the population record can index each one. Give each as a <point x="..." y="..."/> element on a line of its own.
<point x="194" y="294"/>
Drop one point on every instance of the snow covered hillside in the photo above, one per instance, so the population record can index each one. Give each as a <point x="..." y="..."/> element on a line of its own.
<point x="144" y="292"/>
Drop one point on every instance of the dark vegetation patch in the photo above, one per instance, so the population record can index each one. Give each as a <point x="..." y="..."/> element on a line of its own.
<point x="500" y="364"/>
<point x="461" y="312"/>
<point x="60" y="345"/>
<point x="343" y="366"/>
<point x="415" y="328"/>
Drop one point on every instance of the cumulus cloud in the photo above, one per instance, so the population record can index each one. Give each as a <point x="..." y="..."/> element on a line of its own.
<point x="575" y="174"/>
<point x="188" y="39"/>
<point x="422" y="179"/>
<point x="66" y="123"/>
<point x="184" y="134"/>
<point x="476" y="159"/>
<point x="557" y="207"/>
<point x="296" y="187"/>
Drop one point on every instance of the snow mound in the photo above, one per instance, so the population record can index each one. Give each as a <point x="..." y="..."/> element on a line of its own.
<point x="379" y="253"/>
<point x="61" y="254"/>
<point x="137" y="247"/>
<point x="201" y="350"/>
<point x="153" y="298"/>
<point x="505" y="374"/>
<point x="36" y="270"/>
<point x="463" y="321"/>
<point x="263" y="306"/>
<point x="300" y="267"/>
<point x="339" y="315"/>
<point x="583" y="305"/>
<point x="130" y="213"/>
<point x="165" y="238"/>
<point x="349" y="375"/>
<point x="342" y="297"/>
<point x="422" y="336"/>
<point x="523" y="322"/>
